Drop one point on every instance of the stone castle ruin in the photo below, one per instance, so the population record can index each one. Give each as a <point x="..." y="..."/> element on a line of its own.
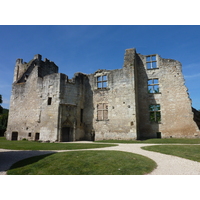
<point x="146" y="98"/>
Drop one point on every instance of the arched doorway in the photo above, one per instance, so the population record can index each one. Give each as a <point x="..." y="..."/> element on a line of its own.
<point x="67" y="131"/>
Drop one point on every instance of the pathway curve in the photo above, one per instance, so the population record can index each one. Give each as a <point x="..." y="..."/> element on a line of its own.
<point x="166" y="164"/>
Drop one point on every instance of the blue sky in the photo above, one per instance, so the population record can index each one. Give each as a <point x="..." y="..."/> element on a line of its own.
<point x="89" y="48"/>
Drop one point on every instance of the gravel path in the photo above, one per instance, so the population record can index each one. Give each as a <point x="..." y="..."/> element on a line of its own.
<point x="166" y="164"/>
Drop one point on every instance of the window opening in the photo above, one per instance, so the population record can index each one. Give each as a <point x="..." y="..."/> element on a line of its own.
<point x="81" y="116"/>
<point x="102" y="112"/>
<point x="153" y="85"/>
<point x="29" y="134"/>
<point x="49" y="101"/>
<point x="155" y="115"/>
<point x="102" y="81"/>
<point x="151" y="62"/>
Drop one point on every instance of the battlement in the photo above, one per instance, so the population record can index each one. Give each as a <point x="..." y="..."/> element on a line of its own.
<point x="38" y="57"/>
<point x="19" y="61"/>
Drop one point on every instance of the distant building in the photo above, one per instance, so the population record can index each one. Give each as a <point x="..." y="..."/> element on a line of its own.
<point x="146" y="98"/>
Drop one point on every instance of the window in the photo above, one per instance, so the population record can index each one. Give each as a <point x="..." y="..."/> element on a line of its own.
<point x="151" y="62"/>
<point x="29" y="134"/>
<point x="102" y="81"/>
<point x="49" y="101"/>
<point x="102" y="112"/>
<point x="81" y="117"/>
<point x="155" y="115"/>
<point x="153" y="85"/>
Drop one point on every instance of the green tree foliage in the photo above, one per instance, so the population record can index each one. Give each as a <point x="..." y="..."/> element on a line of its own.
<point x="1" y="101"/>
<point x="3" y="117"/>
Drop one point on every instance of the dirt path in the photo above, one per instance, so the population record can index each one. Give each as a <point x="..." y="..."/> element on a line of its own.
<point x="167" y="165"/>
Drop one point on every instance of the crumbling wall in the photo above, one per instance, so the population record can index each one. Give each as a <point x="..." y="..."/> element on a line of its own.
<point x="30" y="114"/>
<point x="173" y="99"/>
<point x="119" y="98"/>
<point x="72" y="107"/>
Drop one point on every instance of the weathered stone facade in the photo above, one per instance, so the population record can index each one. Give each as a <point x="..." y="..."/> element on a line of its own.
<point x="146" y="98"/>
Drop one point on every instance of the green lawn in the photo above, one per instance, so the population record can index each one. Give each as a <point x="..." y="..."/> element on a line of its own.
<point x="157" y="141"/>
<point x="84" y="163"/>
<point x="191" y="152"/>
<point x="32" y="145"/>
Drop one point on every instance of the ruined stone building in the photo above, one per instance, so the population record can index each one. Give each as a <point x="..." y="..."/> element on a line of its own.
<point x="146" y="98"/>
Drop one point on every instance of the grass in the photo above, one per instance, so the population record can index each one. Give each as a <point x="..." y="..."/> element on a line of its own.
<point x="32" y="145"/>
<point x="158" y="141"/>
<point x="84" y="163"/>
<point x="191" y="152"/>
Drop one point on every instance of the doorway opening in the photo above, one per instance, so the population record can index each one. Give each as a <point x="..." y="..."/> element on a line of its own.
<point x="67" y="134"/>
<point x="14" y="135"/>
<point x="158" y="134"/>
<point x="37" y="136"/>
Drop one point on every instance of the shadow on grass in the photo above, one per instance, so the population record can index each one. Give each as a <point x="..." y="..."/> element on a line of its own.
<point x="8" y="158"/>
<point x="28" y="161"/>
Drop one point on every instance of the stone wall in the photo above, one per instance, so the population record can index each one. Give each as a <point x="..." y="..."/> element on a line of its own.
<point x="175" y="104"/>
<point x="31" y="111"/>
<point x="119" y="97"/>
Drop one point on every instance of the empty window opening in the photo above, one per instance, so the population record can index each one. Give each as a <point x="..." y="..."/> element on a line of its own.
<point x="29" y="134"/>
<point x="151" y="62"/>
<point x="49" y="101"/>
<point x="153" y="85"/>
<point x="81" y="118"/>
<point x="132" y="123"/>
<point x="14" y="136"/>
<point x="37" y="136"/>
<point x="102" y="81"/>
<point x="155" y="115"/>
<point x="102" y="112"/>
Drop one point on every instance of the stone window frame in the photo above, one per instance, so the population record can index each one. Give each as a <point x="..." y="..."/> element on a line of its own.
<point x="153" y="86"/>
<point x="151" y="62"/>
<point x="155" y="113"/>
<point x="102" y="81"/>
<point x="102" y="107"/>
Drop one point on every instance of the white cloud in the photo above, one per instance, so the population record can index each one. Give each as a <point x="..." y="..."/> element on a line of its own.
<point x="192" y="76"/>
<point x="192" y="65"/>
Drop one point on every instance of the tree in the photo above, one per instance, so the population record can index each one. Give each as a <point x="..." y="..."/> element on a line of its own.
<point x="1" y="101"/>
<point x="3" y="118"/>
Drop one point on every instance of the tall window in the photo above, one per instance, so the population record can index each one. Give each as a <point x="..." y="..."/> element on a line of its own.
<point x="151" y="62"/>
<point x="155" y="115"/>
<point x="102" y="111"/>
<point x="102" y="81"/>
<point x="153" y="85"/>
